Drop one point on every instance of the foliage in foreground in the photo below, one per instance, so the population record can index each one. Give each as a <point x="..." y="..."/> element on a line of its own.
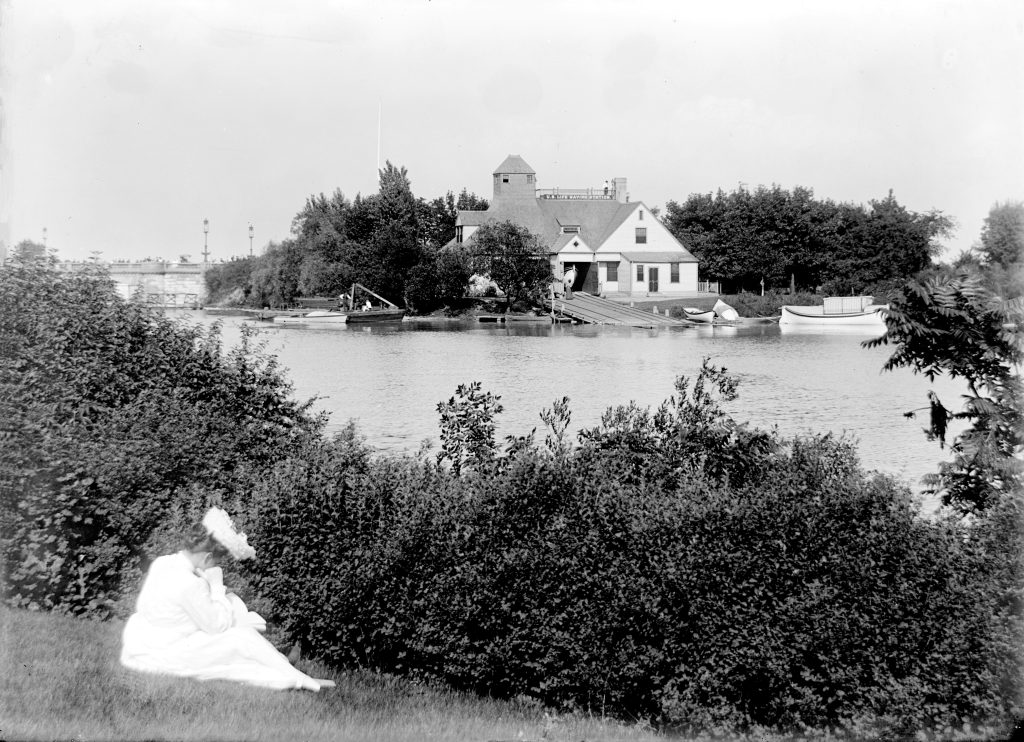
<point x="673" y="565"/>
<point x="950" y="322"/>
<point x="676" y="566"/>
<point x="116" y="423"/>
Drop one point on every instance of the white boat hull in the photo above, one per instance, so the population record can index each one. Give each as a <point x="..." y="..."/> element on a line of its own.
<point x="324" y="317"/>
<point x="697" y="315"/>
<point x="872" y="316"/>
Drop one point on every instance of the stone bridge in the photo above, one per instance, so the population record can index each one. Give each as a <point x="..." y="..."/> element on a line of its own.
<point x="161" y="283"/>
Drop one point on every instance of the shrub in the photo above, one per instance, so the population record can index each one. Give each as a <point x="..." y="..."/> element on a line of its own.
<point x="115" y="416"/>
<point x="676" y="567"/>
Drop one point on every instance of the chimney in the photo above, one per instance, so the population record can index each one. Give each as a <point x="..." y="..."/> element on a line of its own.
<point x="619" y="186"/>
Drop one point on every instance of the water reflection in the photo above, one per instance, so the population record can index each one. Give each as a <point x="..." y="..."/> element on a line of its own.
<point x="390" y="378"/>
<point x="865" y="331"/>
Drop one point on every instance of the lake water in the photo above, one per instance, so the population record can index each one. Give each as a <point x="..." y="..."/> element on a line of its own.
<point x="389" y="378"/>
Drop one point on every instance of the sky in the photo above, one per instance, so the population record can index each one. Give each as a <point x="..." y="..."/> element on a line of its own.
<point x="125" y="124"/>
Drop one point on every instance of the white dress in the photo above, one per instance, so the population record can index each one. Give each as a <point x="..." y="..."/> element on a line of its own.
<point x="185" y="624"/>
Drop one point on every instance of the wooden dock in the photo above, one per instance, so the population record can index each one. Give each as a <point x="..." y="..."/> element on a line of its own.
<point x="584" y="307"/>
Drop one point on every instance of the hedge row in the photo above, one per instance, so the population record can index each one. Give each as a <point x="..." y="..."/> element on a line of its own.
<point x="727" y="585"/>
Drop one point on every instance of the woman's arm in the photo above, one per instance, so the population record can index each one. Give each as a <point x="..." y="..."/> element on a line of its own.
<point x="207" y="604"/>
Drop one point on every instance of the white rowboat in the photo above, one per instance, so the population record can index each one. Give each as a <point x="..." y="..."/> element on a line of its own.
<point x="837" y="311"/>
<point x="699" y="315"/>
<point x="316" y="317"/>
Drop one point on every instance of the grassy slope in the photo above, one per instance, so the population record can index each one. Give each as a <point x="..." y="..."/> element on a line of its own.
<point x="61" y="680"/>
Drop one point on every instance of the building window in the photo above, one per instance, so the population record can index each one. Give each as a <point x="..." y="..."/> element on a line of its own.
<point x="496" y="177"/>
<point x="458" y="234"/>
<point x="570" y="229"/>
<point x="529" y="177"/>
<point x="504" y="179"/>
<point x="640" y="273"/>
<point x="673" y="272"/>
<point x="641" y="235"/>
<point x="641" y="214"/>
<point x="611" y="271"/>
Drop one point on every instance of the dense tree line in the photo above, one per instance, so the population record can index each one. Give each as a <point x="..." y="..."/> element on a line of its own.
<point x="389" y="241"/>
<point x="746" y="240"/>
<point x="789" y="239"/>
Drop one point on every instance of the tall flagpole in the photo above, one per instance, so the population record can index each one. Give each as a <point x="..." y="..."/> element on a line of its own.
<point x="377" y="175"/>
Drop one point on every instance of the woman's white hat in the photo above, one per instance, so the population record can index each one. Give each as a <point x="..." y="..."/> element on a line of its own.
<point x="218" y="524"/>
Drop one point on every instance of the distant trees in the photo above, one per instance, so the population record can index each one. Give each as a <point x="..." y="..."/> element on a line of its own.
<point x="770" y="236"/>
<point x="999" y="253"/>
<point x="790" y="239"/>
<point x="390" y="241"/>
<point x="28" y="249"/>
<point x="1002" y="237"/>
<point x="513" y="258"/>
<point x="437" y="217"/>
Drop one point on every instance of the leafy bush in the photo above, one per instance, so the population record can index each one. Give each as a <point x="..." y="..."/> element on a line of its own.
<point x="949" y="322"/>
<point x="675" y="566"/>
<point x="114" y="418"/>
<point x="230" y="280"/>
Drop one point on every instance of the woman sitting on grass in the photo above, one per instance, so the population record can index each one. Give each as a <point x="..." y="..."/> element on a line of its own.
<point x="187" y="624"/>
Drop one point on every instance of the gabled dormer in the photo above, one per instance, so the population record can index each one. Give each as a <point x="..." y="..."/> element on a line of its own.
<point x="514" y="179"/>
<point x="568" y="226"/>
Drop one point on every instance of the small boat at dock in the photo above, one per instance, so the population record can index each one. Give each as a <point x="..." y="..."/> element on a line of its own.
<point x="699" y="315"/>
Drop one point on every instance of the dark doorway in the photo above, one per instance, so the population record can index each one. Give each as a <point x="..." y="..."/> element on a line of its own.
<point x="587" y="277"/>
<point x="652" y="279"/>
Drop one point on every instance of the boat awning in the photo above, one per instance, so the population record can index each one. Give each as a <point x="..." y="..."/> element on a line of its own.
<point x="665" y="256"/>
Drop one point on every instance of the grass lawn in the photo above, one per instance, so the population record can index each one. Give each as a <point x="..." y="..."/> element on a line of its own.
<point x="62" y="681"/>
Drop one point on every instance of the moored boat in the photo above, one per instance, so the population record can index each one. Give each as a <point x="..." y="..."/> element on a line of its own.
<point x="350" y="308"/>
<point x="724" y="312"/>
<point x="376" y="315"/>
<point x="316" y="317"/>
<point x="699" y="315"/>
<point x="837" y="311"/>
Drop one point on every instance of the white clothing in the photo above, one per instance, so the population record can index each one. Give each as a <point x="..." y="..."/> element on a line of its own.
<point x="186" y="624"/>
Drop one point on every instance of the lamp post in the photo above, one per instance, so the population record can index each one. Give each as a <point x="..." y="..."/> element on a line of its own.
<point x="206" y="231"/>
<point x="250" y="240"/>
<point x="44" y="236"/>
